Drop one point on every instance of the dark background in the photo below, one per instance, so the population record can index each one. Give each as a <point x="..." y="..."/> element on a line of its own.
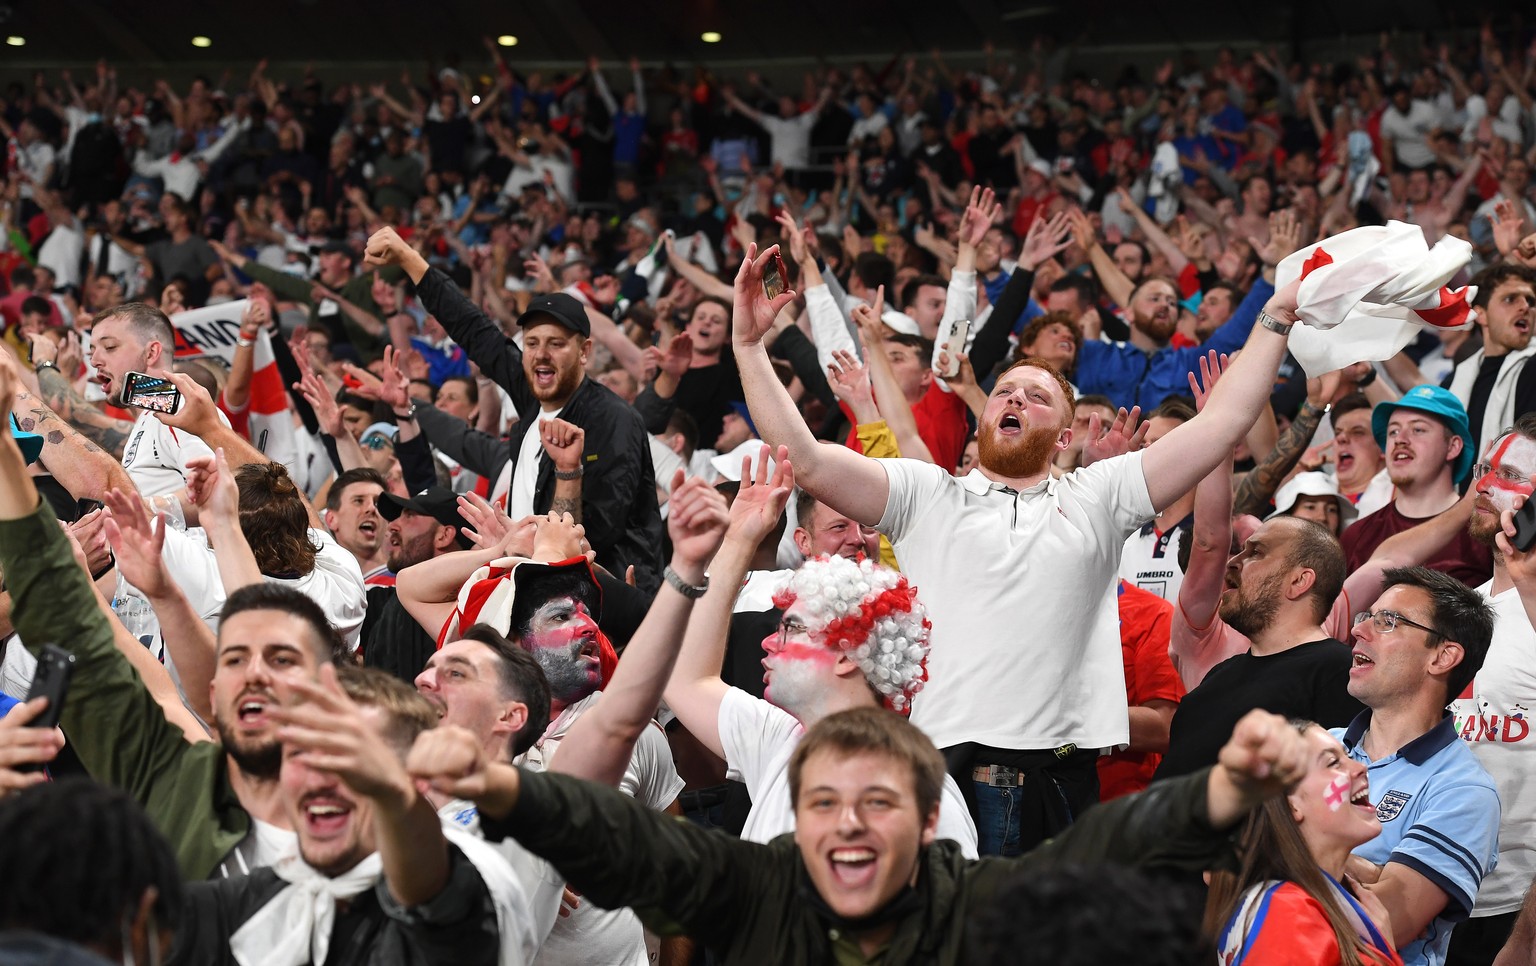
<point x="150" y="39"/>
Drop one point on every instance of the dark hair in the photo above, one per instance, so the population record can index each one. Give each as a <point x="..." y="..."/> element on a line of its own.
<point x="874" y="730"/>
<point x="909" y="290"/>
<point x="1040" y="323"/>
<point x="275" y="520"/>
<point x="1095" y="399"/>
<point x="712" y="300"/>
<point x="1064" y="911"/>
<point x="521" y="679"/>
<point x="1269" y="847"/>
<point x="327" y="645"/>
<point x="1181" y="408"/>
<point x="1497" y="274"/>
<point x="36" y="305"/>
<point x="875" y="270"/>
<point x="681" y="422"/>
<point x="1312" y="546"/>
<point x="805" y="508"/>
<point x="471" y="388"/>
<point x="1461" y="614"/>
<point x="359" y="474"/>
<point x="547" y="584"/>
<point x="352" y="399"/>
<point x="22" y="276"/>
<point x="1232" y="290"/>
<point x="1146" y="256"/>
<point x="1350" y="403"/>
<point x="148" y="323"/>
<point x="80" y="857"/>
<point x="923" y="347"/>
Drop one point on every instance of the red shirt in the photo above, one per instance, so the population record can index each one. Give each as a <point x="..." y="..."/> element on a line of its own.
<point x="1463" y="558"/>
<point x="1146" y="621"/>
<point x="940" y="417"/>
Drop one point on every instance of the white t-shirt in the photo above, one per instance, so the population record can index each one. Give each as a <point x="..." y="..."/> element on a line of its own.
<point x="335" y="583"/>
<point x="1494" y="717"/>
<point x="790" y="140"/>
<point x="601" y="937"/>
<point x="759" y="739"/>
<point x="542" y="885"/>
<point x="1150" y="561"/>
<point x="1021" y="591"/>
<point x="525" y="473"/>
<point x="61" y="253"/>
<point x="156" y="455"/>
<point x="1377" y="494"/>
<point x="1410" y="133"/>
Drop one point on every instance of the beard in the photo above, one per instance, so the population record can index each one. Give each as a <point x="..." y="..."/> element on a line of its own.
<point x="1160" y="331"/>
<point x="410" y="553"/>
<point x="262" y="761"/>
<point x="570" y="678"/>
<point x="566" y="381"/>
<point x="1250" y="615"/>
<point x="1485" y="529"/>
<point x="1025" y="455"/>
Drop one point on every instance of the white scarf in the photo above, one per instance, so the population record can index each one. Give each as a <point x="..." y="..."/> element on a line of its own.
<point x="294" y="928"/>
<point x="1499" y="414"/>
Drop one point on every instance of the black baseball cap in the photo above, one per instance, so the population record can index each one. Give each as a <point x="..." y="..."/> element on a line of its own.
<point x="339" y="247"/>
<point x="437" y="502"/>
<point x="559" y="308"/>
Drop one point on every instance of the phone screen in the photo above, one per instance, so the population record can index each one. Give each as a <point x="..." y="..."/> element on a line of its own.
<point x="151" y="392"/>
<point x="773" y="278"/>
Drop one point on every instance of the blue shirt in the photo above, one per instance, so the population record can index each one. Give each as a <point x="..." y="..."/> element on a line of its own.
<point x="442" y="363"/>
<point x="1439" y="814"/>
<point x="6" y="704"/>
<point x="1131" y="377"/>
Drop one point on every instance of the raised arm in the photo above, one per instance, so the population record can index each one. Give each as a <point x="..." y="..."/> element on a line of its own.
<point x="1177" y="462"/>
<point x="1259" y="485"/>
<point x="840" y="478"/>
<point x="67" y="403"/>
<point x="1115" y="283"/>
<point x="599" y="745"/>
<point x="695" y="689"/>
<point x="78" y="464"/>
<point x="495" y="354"/>
<point x="894" y="408"/>
<point x="138" y="541"/>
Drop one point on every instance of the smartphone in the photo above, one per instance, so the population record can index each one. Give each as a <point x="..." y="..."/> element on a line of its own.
<point x="1525" y="526"/>
<point x="84" y="506"/>
<point x="954" y="346"/>
<point x="144" y="391"/>
<point x="773" y="277"/>
<point x="54" y="669"/>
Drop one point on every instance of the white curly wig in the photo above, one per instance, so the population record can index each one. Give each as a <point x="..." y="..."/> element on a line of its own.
<point x="871" y="612"/>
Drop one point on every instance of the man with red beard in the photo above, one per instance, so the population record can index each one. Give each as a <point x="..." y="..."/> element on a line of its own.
<point x="1145" y="370"/>
<point x="547" y="380"/>
<point x="1493" y="715"/>
<point x="1022" y="715"/>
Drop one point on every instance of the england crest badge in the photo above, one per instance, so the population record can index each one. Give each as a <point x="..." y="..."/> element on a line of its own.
<point x="1391" y="805"/>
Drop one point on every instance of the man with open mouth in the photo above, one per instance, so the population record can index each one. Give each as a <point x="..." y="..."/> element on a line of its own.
<point x="862" y="878"/>
<point x="1495" y="383"/>
<point x="1416" y="650"/>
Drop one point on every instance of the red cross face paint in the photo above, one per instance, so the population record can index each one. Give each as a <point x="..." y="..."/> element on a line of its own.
<point x="1505" y="474"/>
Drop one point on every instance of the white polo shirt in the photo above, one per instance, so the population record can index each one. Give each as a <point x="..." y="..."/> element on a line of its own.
<point x="1021" y="591"/>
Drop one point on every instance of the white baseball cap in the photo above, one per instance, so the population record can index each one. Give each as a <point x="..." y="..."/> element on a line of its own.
<point x="1312" y="484"/>
<point x="728" y="465"/>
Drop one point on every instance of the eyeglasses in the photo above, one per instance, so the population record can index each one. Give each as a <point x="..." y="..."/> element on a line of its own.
<point x="1386" y="621"/>
<point x="1503" y="474"/>
<point x="787" y="627"/>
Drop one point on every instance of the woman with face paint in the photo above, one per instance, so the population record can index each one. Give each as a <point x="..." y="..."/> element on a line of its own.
<point x="1290" y="901"/>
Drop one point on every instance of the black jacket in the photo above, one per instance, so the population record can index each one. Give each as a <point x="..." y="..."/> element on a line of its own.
<point x="618" y="492"/>
<point x="747" y="903"/>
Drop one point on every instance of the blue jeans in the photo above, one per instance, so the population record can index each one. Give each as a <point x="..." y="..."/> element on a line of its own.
<point x="997" y="820"/>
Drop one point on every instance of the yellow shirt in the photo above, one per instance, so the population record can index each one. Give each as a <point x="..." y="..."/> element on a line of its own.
<point x="880" y="443"/>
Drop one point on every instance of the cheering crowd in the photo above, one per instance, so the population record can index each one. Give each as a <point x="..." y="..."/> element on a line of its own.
<point x="631" y="517"/>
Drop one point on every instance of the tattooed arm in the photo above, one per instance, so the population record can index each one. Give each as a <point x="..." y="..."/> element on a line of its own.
<point x="563" y="443"/>
<point x="1254" y="493"/>
<point x="67" y="403"/>
<point x="81" y="467"/>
